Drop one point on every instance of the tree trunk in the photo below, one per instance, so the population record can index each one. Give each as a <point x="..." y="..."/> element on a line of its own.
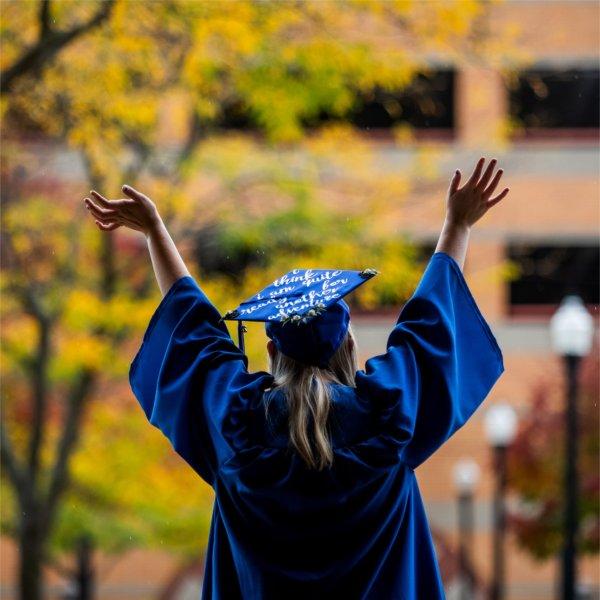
<point x="30" y="566"/>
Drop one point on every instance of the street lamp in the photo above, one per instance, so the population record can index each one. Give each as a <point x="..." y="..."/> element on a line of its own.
<point x="466" y="475"/>
<point x="571" y="332"/>
<point x="500" y="429"/>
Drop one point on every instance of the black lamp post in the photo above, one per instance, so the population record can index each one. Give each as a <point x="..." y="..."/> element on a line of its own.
<point x="80" y="585"/>
<point x="466" y="476"/>
<point x="572" y="331"/>
<point x="85" y="571"/>
<point x="501" y="427"/>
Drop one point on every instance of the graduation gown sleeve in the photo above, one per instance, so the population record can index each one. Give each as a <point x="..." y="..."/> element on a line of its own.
<point x="191" y="380"/>
<point x="441" y="362"/>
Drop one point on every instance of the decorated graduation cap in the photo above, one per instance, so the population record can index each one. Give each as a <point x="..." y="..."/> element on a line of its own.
<point x="303" y="311"/>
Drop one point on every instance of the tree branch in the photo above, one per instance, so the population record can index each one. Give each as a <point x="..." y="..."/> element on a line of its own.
<point x="44" y="17"/>
<point x="59" y="478"/>
<point x="39" y="402"/>
<point x="38" y="367"/>
<point x="16" y="473"/>
<point x="50" y="42"/>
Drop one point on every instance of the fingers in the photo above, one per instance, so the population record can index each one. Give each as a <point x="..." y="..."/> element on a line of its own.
<point x="101" y="199"/>
<point x="494" y="183"/>
<point x="108" y="219"/>
<point x="497" y="198"/>
<point x="98" y="211"/>
<point x="133" y="193"/>
<point x="476" y="172"/>
<point x="111" y="214"/>
<point x="487" y="174"/>
<point x="454" y="182"/>
<point x="127" y="189"/>
<point x="109" y="226"/>
<point x="105" y="201"/>
<point x="105" y="218"/>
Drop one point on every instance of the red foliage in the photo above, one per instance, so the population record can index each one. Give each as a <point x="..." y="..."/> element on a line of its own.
<point x="536" y="465"/>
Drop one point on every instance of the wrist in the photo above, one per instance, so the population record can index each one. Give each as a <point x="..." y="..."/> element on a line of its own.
<point x="154" y="225"/>
<point x="456" y="225"/>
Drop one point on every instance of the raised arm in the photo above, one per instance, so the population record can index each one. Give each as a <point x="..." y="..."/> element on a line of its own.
<point x="441" y="358"/>
<point x="139" y="212"/>
<point x="465" y="206"/>
<point x="188" y="375"/>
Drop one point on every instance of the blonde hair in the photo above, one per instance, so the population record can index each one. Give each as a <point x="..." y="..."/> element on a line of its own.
<point x="308" y="394"/>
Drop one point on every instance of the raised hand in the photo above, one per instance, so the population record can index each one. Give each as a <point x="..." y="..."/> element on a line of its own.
<point x="137" y="212"/>
<point x="466" y="205"/>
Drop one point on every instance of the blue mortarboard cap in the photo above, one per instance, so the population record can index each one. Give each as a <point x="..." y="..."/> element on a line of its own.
<point x="304" y="311"/>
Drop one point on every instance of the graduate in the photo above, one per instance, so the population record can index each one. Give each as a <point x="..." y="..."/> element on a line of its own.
<point x="313" y="461"/>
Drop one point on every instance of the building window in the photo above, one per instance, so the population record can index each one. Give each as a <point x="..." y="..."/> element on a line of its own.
<point x="426" y="104"/>
<point x="545" y="274"/>
<point x="551" y="101"/>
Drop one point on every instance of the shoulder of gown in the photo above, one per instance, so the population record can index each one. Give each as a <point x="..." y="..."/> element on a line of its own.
<point x="440" y="363"/>
<point x="192" y="381"/>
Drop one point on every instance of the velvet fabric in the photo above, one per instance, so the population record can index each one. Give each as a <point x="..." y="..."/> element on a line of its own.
<point x="304" y="311"/>
<point x="300" y="293"/>
<point x="280" y="530"/>
<point x="314" y="342"/>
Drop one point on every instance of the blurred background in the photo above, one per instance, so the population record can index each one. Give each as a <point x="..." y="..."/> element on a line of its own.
<point x="273" y="135"/>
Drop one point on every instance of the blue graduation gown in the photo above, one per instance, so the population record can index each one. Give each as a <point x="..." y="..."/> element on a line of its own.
<point x="278" y="529"/>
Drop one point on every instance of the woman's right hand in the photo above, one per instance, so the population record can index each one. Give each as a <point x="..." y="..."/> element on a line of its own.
<point x="468" y="204"/>
<point x="137" y="212"/>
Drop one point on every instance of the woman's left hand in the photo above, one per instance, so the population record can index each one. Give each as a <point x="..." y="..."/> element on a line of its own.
<point x="137" y="212"/>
